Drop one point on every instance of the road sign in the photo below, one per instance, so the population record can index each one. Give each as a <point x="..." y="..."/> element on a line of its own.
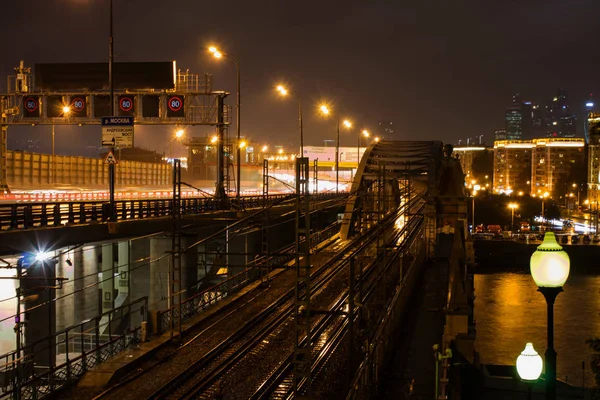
<point x="78" y="104"/>
<point x="31" y="104"/>
<point x="110" y="158"/>
<point x="126" y="103"/>
<point x="117" y="132"/>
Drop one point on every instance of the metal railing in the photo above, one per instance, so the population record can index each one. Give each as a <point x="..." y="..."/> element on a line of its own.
<point x="71" y="352"/>
<point x="365" y="382"/>
<point x="40" y="215"/>
<point x="202" y="300"/>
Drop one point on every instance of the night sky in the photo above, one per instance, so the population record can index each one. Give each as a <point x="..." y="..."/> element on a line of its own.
<point x="438" y="69"/>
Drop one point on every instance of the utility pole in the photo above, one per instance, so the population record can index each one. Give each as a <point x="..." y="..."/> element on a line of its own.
<point x="111" y="166"/>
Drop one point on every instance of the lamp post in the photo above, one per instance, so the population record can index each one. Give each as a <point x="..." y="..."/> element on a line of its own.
<point x="178" y="135"/>
<point x="66" y="110"/>
<point x="529" y="366"/>
<point x="282" y="90"/>
<point x="550" y="269"/>
<point x="326" y="112"/>
<point x="543" y="196"/>
<point x="473" y="194"/>
<point x="512" y="207"/>
<point x="218" y="54"/>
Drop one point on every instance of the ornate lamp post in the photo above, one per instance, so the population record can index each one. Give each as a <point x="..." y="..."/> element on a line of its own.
<point x="550" y="267"/>
<point x="529" y="366"/>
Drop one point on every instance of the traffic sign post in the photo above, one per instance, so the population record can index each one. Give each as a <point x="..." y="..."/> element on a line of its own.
<point x="110" y="158"/>
<point x="117" y="132"/>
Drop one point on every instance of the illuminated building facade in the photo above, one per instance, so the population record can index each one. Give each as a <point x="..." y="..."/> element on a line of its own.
<point x="593" y="155"/>
<point x="552" y="161"/>
<point x="512" y="166"/>
<point x="469" y="156"/>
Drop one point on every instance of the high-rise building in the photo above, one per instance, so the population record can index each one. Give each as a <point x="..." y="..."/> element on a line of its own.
<point x="385" y="129"/>
<point x="537" y="122"/>
<point x="519" y="119"/>
<point x="593" y="155"/>
<point x="589" y="108"/>
<point x="559" y="120"/>
<point x="514" y="122"/>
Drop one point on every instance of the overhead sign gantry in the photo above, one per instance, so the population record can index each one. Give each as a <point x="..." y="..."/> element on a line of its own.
<point x="152" y="93"/>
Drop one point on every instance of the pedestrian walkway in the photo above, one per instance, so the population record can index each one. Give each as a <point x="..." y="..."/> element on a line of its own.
<point x="411" y="374"/>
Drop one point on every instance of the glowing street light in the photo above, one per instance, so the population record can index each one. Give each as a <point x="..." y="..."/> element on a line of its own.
<point x="264" y="149"/>
<point x="214" y="139"/>
<point x="376" y="139"/>
<point x="179" y="133"/>
<point x="243" y="144"/>
<point x="550" y="266"/>
<point x="66" y="110"/>
<point x="283" y="91"/>
<point x="219" y="54"/>
<point x="513" y="207"/>
<point x="529" y="366"/>
<point x="348" y="124"/>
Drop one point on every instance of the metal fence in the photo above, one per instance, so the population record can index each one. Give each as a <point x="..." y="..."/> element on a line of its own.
<point x="71" y="352"/>
<point x="39" y="171"/>
<point x="366" y="379"/>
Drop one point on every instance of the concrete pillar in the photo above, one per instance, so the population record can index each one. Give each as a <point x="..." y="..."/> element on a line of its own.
<point x="190" y="264"/>
<point x="122" y="282"/>
<point x="85" y="264"/>
<point x="159" y="276"/>
<point x="41" y="315"/>
<point x="66" y="317"/>
<point x="108" y="281"/>
<point x="244" y="248"/>
<point x="139" y="276"/>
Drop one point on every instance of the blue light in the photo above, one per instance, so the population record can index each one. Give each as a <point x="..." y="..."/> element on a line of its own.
<point x="590" y="104"/>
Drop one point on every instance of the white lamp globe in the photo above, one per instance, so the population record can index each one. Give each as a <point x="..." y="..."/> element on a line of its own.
<point x="549" y="264"/>
<point x="529" y="364"/>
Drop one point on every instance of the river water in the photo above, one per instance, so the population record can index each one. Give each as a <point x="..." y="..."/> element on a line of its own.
<point x="510" y="312"/>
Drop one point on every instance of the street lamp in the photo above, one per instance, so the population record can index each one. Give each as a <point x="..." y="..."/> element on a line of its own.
<point x="529" y="366"/>
<point x="347" y="124"/>
<point x="512" y="207"/>
<point x="178" y="135"/>
<point x="219" y="54"/>
<point x="543" y="196"/>
<point x="283" y="91"/>
<point x="473" y="194"/>
<point x="65" y="110"/>
<point x="550" y="267"/>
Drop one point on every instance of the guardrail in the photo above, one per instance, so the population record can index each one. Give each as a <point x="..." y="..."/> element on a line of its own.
<point x="200" y="301"/>
<point x="366" y="379"/>
<point x="74" y="351"/>
<point x="40" y="215"/>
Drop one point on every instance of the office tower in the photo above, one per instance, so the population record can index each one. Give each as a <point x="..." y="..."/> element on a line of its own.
<point x="560" y="121"/>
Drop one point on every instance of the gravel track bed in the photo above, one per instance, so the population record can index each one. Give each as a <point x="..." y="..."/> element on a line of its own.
<point x="242" y="380"/>
<point x="146" y="384"/>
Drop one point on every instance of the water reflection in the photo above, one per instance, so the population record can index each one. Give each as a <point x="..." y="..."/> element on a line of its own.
<point x="511" y="312"/>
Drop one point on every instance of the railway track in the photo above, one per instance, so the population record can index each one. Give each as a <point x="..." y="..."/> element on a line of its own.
<point x="279" y="383"/>
<point x="207" y="384"/>
<point x="123" y="388"/>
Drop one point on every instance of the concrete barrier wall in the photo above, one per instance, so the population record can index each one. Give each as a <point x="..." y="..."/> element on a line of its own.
<point x="39" y="171"/>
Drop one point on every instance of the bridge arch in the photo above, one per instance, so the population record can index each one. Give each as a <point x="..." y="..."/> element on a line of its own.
<point x="387" y="174"/>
